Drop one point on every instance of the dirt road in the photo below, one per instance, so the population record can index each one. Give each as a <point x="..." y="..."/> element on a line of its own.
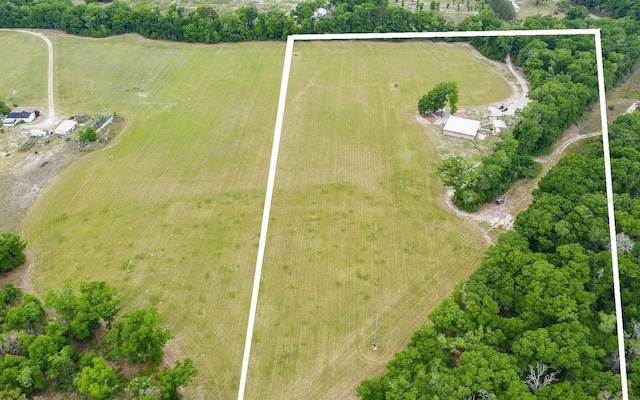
<point x="494" y="219"/>
<point x="49" y="122"/>
<point x="519" y="99"/>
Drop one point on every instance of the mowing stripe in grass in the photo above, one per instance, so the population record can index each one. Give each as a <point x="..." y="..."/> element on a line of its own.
<point x="265" y="216"/>
<point x="413" y="35"/>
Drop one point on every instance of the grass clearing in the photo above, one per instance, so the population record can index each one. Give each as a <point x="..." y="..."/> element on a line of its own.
<point x="356" y="229"/>
<point x="24" y="74"/>
<point x="170" y="213"/>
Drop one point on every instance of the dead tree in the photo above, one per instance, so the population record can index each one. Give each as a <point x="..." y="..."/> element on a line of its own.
<point x="539" y="377"/>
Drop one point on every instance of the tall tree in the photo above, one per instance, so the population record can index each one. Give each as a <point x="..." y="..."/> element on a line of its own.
<point x="138" y="336"/>
<point x="97" y="301"/>
<point x="438" y="97"/>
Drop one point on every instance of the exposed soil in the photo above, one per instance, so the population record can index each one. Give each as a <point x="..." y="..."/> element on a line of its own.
<point x="25" y="174"/>
<point x="493" y="219"/>
<point x="29" y="165"/>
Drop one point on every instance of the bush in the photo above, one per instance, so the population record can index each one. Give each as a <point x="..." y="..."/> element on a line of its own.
<point x="88" y="134"/>
<point x="11" y="251"/>
<point x="4" y="109"/>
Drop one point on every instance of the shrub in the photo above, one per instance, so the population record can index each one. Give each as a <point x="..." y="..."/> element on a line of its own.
<point x="87" y="134"/>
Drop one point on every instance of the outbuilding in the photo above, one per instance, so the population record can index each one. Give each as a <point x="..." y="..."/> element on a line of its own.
<point x="38" y="133"/>
<point x="498" y="126"/>
<point x="14" y="118"/>
<point x="66" y="127"/>
<point x="461" y="127"/>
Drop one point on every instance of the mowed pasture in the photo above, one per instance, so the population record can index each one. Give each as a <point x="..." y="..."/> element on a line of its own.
<point x="24" y="72"/>
<point x="356" y="227"/>
<point x="170" y="213"/>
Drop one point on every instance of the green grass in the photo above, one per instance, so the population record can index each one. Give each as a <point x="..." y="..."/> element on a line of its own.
<point x="544" y="8"/>
<point x="356" y="229"/>
<point x="170" y="213"/>
<point x="24" y="72"/>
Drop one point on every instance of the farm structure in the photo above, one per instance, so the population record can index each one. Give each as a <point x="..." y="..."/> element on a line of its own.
<point x="38" y="133"/>
<point x="498" y="126"/>
<point x="15" y="118"/>
<point x="461" y="127"/>
<point x="66" y="127"/>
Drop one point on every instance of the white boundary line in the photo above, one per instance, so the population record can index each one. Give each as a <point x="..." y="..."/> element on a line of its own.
<point x="425" y="35"/>
<point x="265" y="215"/>
<point x="612" y="220"/>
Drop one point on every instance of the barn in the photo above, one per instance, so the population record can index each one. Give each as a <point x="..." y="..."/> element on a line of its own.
<point x="14" y="118"/>
<point x="65" y="127"/>
<point x="461" y="127"/>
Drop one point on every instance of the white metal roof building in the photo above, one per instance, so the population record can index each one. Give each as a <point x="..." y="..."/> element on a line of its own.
<point x="13" y="118"/>
<point x="498" y="126"/>
<point x="37" y="133"/>
<point x="65" y="127"/>
<point x="461" y="127"/>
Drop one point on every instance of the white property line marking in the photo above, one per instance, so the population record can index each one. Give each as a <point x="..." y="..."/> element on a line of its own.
<point x="612" y="221"/>
<point x="265" y="216"/>
<point x="426" y="35"/>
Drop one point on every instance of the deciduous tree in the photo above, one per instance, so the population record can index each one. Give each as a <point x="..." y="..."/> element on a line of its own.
<point x="138" y="336"/>
<point x="97" y="380"/>
<point x="438" y="97"/>
<point x="11" y="251"/>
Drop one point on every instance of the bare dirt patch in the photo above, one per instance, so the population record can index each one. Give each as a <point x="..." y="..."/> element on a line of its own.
<point x="29" y="165"/>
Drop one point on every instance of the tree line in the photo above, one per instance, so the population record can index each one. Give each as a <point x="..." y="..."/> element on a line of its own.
<point x="205" y="25"/>
<point x="537" y="319"/>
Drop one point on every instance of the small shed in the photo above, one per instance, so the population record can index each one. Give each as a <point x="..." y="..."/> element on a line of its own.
<point x="461" y="127"/>
<point x="66" y="127"/>
<point x="37" y="133"/>
<point x="498" y="126"/>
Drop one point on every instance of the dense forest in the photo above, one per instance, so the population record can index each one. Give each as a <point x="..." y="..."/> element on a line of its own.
<point x="83" y="345"/>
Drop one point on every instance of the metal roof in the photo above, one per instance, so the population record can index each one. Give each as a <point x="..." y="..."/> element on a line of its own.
<point x="462" y="126"/>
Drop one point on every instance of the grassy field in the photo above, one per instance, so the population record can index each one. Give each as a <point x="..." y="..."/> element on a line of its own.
<point x="170" y="213"/>
<point x="24" y="74"/>
<point x="356" y="229"/>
